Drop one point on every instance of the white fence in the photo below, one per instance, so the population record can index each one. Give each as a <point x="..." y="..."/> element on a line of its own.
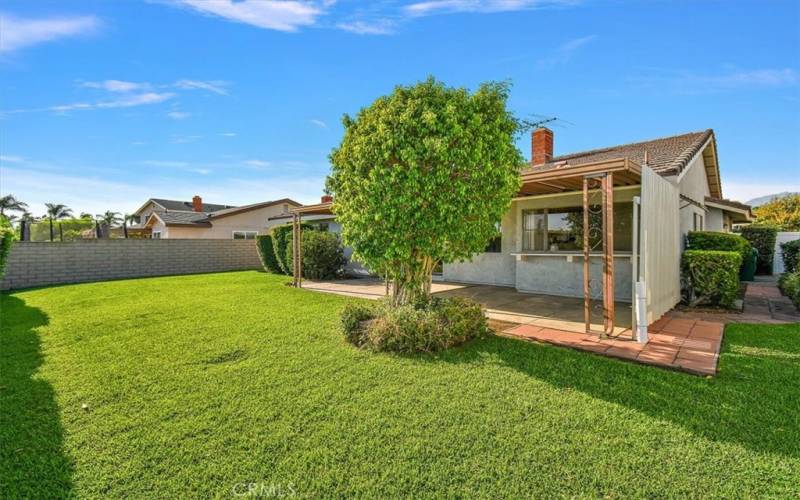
<point x="777" y="261"/>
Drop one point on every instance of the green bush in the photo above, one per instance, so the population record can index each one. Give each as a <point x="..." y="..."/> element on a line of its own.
<point x="430" y="326"/>
<point x="789" y="284"/>
<point x="791" y="255"/>
<point x="763" y="239"/>
<point x="323" y="255"/>
<point x="713" y="240"/>
<point x="281" y="241"/>
<point x="6" y="240"/>
<point x="267" y="254"/>
<point x="711" y="277"/>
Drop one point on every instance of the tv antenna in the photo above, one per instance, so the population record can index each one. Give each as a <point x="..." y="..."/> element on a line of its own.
<point x="543" y="119"/>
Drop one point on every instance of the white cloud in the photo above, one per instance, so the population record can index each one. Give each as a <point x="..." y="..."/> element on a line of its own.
<point x="565" y="51"/>
<point x="218" y="87"/>
<point x="286" y="15"/>
<point x="257" y="163"/>
<point x="485" y="6"/>
<point x="697" y="83"/>
<point x="11" y="159"/>
<point x="319" y="123"/>
<point x="179" y="115"/>
<point x="116" y="85"/>
<point x="228" y="134"/>
<point x="17" y="33"/>
<point x="379" y="27"/>
<point x="125" y="102"/>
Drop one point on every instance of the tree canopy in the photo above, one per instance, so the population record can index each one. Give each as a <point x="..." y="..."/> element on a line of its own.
<point x="423" y="176"/>
<point x="783" y="212"/>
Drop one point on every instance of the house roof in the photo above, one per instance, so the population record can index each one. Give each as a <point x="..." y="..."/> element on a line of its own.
<point x="253" y="206"/>
<point x="732" y="207"/>
<point x="181" y="218"/>
<point x="186" y="206"/>
<point x="665" y="155"/>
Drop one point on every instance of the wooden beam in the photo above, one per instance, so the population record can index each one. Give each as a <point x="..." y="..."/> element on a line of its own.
<point x="608" y="254"/>
<point x="587" y="311"/>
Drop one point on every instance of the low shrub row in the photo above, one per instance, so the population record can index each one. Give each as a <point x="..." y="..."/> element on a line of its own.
<point x="789" y="284"/>
<point x="763" y="240"/>
<point x="791" y="255"/>
<point x="430" y="326"/>
<point x="713" y="240"/>
<point x="6" y="240"/>
<point x="711" y="277"/>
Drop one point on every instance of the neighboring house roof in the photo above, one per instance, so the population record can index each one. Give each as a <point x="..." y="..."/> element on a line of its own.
<point x="254" y="206"/>
<point x="180" y="218"/>
<point x="731" y="206"/>
<point x="666" y="155"/>
<point x="183" y="206"/>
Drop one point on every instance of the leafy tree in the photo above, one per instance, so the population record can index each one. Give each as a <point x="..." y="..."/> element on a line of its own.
<point x="10" y="203"/>
<point x="56" y="211"/>
<point x="86" y="215"/>
<point x="782" y="212"/>
<point x="125" y="220"/>
<point x="422" y="176"/>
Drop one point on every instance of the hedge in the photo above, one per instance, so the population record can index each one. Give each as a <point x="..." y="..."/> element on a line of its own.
<point x="323" y="255"/>
<point x="791" y="255"/>
<point x="789" y="284"/>
<point x="6" y="240"/>
<point x="281" y="240"/>
<point x="267" y="254"/>
<point x="712" y="240"/>
<point x="763" y="239"/>
<point x="711" y="277"/>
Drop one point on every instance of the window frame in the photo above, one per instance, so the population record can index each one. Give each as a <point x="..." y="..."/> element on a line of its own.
<point x="153" y="235"/>
<point x="245" y="233"/>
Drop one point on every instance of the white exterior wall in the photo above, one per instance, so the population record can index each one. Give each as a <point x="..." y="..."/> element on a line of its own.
<point x="222" y="228"/>
<point x="492" y="268"/>
<point x="715" y="220"/>
<point x="693" y="184"/>
<point x="777" y="261"/>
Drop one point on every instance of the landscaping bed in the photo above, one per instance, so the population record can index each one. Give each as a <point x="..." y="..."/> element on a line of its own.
<point x="197" y="385"/>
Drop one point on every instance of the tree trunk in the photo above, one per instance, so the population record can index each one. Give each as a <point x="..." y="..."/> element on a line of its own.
<point x="52" y="233"/>
<point x="125" y="229"/>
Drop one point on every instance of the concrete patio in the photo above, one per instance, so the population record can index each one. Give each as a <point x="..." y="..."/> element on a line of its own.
<point x="687" y="344"/>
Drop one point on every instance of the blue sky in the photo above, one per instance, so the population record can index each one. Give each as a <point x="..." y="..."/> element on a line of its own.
<point x="104" y="104"/>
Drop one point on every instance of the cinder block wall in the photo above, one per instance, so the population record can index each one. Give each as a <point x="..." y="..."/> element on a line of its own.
<point x="43" y="263"/>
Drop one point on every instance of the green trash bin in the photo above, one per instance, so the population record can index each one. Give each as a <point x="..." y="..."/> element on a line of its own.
<point x="749" y="267"/>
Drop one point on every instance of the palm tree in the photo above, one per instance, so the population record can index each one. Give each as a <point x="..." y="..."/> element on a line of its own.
<point x="56" y="211"/>
<point x="86" y="215"/>
<point x="109" y="218"/>
<point x="125" y="220"/>
<point x="9" y="202"/>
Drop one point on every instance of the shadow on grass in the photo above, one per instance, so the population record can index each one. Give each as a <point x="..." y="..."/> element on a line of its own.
<point x="753" y="401"/>
<point x="32" y="461"/>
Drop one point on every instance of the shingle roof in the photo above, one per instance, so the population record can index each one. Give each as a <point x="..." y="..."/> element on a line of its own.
<point x="182" y="217"/>
<point x="186" y="206"/>
<point x="252" y="206"/>
<point x="666" y="155"/>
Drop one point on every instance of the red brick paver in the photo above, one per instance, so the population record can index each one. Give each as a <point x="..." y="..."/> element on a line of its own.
<point x="683" y="344"/>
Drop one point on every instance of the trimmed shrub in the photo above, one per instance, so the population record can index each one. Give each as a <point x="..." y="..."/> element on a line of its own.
<point x="267" y="254"/>
<point x="789" y="284"/>
<point x="711" y="276"/>
<point x="713" y="240"/>
<point x="323" y="255"/>
<point x="763" y="239"/>
<point x="6" y="240"/>
<point x="281" y="240"/>
<point x="430" y="326"/>
<point x="791" y="255"/>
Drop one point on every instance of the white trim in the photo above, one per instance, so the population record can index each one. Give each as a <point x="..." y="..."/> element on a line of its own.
<point x="151" y="200"/>
<point x="570" y="193"/>
<point x="688" y="164"/>
<point x="153" y="235"/>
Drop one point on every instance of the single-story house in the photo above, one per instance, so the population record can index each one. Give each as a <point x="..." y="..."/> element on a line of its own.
<point x="594" y="224"/>
<point x="195" y="219"/>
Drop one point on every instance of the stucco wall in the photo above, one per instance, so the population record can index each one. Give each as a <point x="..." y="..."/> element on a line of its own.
<point x="715" y="220"/>
<point x="555" y="275"/>
<point x="693" y="184"/>
<point x="222" y="228"/>
<point x="44" y="263"/>
<point x="489" y="268"/>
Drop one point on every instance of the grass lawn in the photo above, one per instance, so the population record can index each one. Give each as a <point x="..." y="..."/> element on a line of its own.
<point x="201" y="384"/>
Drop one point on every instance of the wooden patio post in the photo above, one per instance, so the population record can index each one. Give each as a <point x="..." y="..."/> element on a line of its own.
<point x="587" y="311"/>
<point x="608" y="254"/>
<point x="295" y="229"/>
<point x="300" y="250"/>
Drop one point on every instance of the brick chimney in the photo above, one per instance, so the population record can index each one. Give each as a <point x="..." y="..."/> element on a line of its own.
<point x="326" y="198"/>
<point x="541" y="145"/>
<point x="197" y="203"/>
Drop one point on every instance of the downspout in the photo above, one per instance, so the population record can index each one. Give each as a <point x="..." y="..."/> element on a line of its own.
<point x="639" y="288"/>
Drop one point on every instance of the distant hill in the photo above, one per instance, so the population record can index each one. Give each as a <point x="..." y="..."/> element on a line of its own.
<point x="764" y="199"/>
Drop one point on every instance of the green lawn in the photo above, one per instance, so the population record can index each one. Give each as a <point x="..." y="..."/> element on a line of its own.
<point x="198" y="384"/>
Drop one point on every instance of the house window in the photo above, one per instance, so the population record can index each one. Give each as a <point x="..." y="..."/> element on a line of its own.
<point x="496" y="243"/>
<point x="561" y="229"/>
<point x="322" y="226"/>
<point x="244" y="235"/>
<point x="698" y="222"/>
<point x="156" y="235"/>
